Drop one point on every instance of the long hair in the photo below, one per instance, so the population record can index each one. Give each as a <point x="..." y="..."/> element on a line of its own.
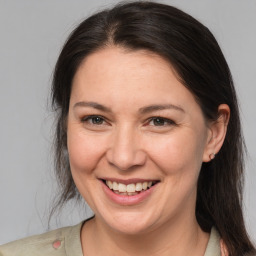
<point x="201" y="67"/>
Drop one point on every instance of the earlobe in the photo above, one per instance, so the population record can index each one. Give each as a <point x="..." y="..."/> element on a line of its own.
<point x="217" y="133"/>
<point x="212" y="156"/>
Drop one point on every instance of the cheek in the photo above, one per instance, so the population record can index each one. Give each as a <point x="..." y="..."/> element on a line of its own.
<point x="84" y="151"/>
<point x="177" y="154"/>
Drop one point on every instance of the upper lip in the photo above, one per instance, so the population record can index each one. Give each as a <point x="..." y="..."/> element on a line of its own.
<point x="129" y="181"/>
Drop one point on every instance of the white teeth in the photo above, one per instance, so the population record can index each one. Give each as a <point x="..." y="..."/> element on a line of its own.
<point x="115" y="185"/>
<point x="144" y="185"/>
<point x="121" y="187"/>
<point x="109" y="183"/>
<point x="138" y="186"/>
<point x="130" y="189"/>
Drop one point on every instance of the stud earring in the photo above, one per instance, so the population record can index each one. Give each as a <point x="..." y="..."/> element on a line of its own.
<point x="212" y="156"/>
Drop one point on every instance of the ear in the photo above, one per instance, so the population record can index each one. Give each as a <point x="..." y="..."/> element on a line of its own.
<point x="217" y="133"/>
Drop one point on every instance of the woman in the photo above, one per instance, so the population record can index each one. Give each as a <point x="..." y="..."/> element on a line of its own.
<point x="149" y="135"/>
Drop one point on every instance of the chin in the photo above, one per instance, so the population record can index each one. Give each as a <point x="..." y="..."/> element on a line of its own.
<point x="130" y="223"/>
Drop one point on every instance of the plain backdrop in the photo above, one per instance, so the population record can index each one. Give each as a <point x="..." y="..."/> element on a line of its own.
<point x="31" y="36"/>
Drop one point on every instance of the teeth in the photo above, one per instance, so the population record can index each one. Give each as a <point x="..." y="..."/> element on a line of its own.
<point x="130" y="189"/>
<point x="121" y="187"/>
<point x="138" y="187"/>
<point x="109" y="183"/>
<point x="115" y="185"/>
<point x="144" y="185"/>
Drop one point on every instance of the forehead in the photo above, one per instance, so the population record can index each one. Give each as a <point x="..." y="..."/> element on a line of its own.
<point x="124" y="61"/>
<point x="118" y="75"/>
<point x="117" y="65"/>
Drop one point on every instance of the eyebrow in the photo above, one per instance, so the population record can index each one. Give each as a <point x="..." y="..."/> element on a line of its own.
<point x="92" y="105"/>
<point x="153" y="108"/>
<point x="144" y="110"/>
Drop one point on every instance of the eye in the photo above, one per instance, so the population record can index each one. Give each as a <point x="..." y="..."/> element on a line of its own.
<point x="160" y="121"/>
<point x="94" y="120"/>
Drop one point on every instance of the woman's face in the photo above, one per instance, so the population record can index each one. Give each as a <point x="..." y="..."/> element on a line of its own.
<point x="136" y="140"/>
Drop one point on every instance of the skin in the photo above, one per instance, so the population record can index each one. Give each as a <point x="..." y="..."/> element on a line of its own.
<point x="124" y="142"/>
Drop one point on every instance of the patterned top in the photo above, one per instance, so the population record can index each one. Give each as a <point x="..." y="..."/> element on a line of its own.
<point x="66" y="242"/>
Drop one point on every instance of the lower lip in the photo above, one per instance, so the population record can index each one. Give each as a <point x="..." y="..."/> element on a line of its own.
<point x="127" y="200"/>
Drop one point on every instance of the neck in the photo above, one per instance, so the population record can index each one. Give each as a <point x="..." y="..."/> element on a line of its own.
<point x="175" y="238"/>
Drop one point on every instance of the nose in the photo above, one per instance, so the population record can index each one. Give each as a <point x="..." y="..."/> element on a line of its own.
<point x="126" y="150"/>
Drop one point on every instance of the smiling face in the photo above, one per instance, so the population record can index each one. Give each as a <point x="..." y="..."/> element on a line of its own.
<point x="136" y="141"/>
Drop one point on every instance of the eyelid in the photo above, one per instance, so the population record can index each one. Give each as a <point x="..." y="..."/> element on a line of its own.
<point x="89" y="117"/>
<point x="167" y="120"/>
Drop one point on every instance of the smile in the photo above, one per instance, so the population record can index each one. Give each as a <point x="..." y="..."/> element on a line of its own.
<point x="131" y="189"/>
<point x="129" y="192"/>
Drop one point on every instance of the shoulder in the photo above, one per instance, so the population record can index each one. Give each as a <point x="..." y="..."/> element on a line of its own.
<point x="216" y="246"/>
<point x="213" y="247"/>
<point x="53" y="243"/>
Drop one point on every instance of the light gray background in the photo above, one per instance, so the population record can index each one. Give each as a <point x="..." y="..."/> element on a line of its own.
<point x="31" y="35"/>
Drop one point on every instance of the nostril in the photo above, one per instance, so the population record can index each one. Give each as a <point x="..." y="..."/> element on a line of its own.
<point x="125" y="151"/>
<point x="126" y="160"/>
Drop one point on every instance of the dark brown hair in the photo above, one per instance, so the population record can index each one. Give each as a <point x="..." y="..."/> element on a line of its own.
<point x="198" y="60"/>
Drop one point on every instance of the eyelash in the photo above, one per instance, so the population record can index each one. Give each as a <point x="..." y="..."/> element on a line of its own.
<point x="165" y="121"/>
<point x="89" y="119"/>
<point x="101" y="119"/>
